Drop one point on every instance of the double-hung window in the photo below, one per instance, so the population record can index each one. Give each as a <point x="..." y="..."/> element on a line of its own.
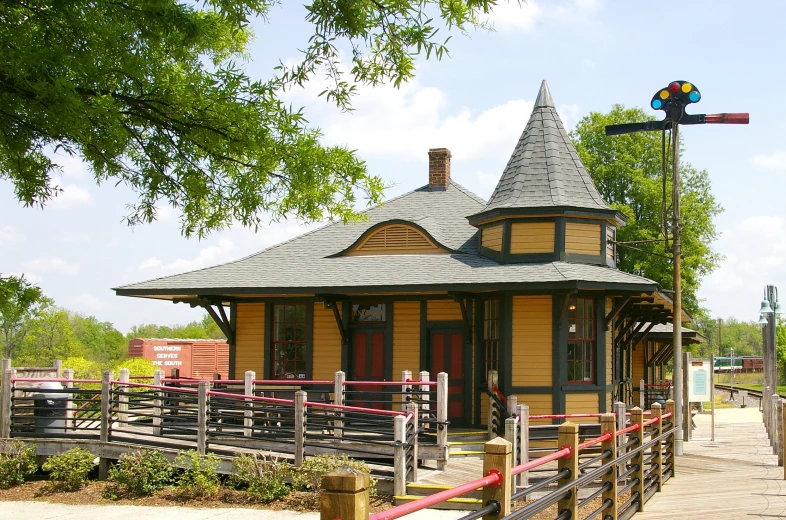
<point x="288" y="342"/>
<point x="581" y="340"/>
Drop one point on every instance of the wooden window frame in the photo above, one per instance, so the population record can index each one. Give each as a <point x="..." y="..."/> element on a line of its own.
<point x="275" y="343"/>
<point x="490" y="333"/>
<point x="360" y="323"/>
<point x="582" y="360"/>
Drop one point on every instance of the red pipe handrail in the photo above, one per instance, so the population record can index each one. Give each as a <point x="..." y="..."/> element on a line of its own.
<point x="597" y="440"/>
<point x="566" y="415"/>
<point x="157" y="387"/>
<point x="290" y="382"/>
<point x="499" y="393"/>
<point x="492" y="479"/>
<point x="353" y="408"/>
<point x="389" y="383"/>
<point x="565" y="453"/>
<point x="251" y="397"/>
<point x="53" y="380"/>
<point x="631" y="428"/>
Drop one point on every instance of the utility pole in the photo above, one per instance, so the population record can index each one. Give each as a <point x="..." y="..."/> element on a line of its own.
<point x="672" y="100"/>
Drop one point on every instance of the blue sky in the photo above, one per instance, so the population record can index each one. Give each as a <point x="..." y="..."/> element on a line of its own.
<point x="593" y="53"/>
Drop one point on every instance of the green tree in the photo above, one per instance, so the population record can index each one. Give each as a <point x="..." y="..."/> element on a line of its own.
<point x="744" y="337"/>
<point x="628" y="173"/>
<point x="20" y="303"/>
<point x="206" y="328"/>
<point x="49" y="337"/>
<point x="150" y="94"/>
<point x="100" y="341"/>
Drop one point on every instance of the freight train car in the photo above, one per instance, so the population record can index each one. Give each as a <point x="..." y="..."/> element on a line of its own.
<point x="740" y="363"/>
<point x="193" y="358"/>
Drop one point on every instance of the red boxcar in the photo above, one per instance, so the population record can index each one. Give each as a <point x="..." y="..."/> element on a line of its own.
<point x="193" y="358"/>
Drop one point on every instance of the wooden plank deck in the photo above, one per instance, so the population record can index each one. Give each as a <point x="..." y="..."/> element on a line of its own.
<point x="735" y="477"/>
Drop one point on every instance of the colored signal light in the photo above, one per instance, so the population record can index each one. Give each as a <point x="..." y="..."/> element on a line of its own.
<point x="694" y="96"/>
<point x="664" y="94"/>
<point x="656" y="104"/>
<point x="687" y="87"/>
<point x="674" y="86"/>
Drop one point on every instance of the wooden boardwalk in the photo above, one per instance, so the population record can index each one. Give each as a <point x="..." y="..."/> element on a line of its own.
<point x="735" y="477"/>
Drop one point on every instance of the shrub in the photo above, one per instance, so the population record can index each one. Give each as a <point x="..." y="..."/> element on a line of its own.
<point x="83" y="368"/>
<point x="309" y="475"/>
<point x="261" y="476"/>
<point x="17" y="461"/>
<point x="69" y="469"/>
<point x="139" y="473"/>
<point x="199" y="478"/>
<point x="136" y="367"/>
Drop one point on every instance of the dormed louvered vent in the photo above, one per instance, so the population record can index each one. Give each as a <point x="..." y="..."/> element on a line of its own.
<point x="396" y="239"/>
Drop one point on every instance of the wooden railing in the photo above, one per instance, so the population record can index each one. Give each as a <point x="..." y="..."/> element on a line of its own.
<point x="617" y="472"/>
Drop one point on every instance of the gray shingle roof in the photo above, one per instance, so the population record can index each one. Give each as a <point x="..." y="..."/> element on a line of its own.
<point x="306" y="263"/>
<point x="544" y="169"/>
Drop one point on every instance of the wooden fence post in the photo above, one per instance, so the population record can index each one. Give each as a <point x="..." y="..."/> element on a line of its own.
<point x="642" y="397"/>
<point x="511" y="435"/>
<point x="523" y="413"/>
<point x="442" y="416"/>
<point x="122" y="400"/>
<point x="344" y="495"/>
<point x="620" y="410"/>
<point x="5" y="401"/>
<point x="498" y="455"/>
<point x="608" y="424"/>
<point x="57" y="364"/>
<point x="670" y="440"/>
<point x="158" y="402"/>
<point x="413" y="409"/>
<point x="492" y="380"/>
<point x="106" y="410"/>
<point x="513" y="402"/>
<point x="399" y="456"/>
<point x="338" y="398"/>
<point x="568" y="436"/>
<point x="637" y="417"/>
<point x="425" y="395"/>
<point x="248" y="413"/>
<point x="300" y="427"/>
<point x="203" y="411"/>
<point x="779" y="436"/>
<point x="68" y="374"/>
<point x="406" y="389"/>
<point x="657" y="461"/>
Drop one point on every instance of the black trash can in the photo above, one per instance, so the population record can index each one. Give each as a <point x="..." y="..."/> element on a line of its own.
<point x="50" y="409"/>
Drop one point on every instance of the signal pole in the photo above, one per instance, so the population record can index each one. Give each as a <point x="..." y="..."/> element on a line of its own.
<point x="672" y="100"/>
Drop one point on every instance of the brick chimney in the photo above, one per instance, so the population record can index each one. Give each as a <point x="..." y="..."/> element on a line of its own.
<point x="438" y="169"/>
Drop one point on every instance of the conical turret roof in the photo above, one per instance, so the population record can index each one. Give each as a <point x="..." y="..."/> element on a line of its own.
<point x="544" y="170"/>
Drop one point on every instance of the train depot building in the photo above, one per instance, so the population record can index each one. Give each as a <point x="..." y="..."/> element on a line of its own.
<point x="440" y="280"/>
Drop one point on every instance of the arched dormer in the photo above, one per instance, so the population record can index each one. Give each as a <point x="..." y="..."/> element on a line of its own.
<point x="395" y="238"/>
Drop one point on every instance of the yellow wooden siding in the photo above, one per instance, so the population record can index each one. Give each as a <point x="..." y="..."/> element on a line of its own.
<point x="532" y="341"/>
<point x="539" y="404"/>
<point x="396" y="239"/>
<point x="250" y="339"/>
<point x="581" y="403"/>
<point x="532" y="237"/>
<point x="638" y="363"/>
<point x="406" y="338"/>
<point x="491" y="237"/>
<point x="582" y="239"/>
<point x="609" y="355"/>
<point x="443" y="310"/>
<point x="326" y="343"/>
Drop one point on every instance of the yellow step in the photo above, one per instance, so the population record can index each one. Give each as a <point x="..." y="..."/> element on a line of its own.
<point x="439" y="487"/>
<point x="465" y="443"/>
<point x="412" y="498"/>
<point x="465" y="453"/>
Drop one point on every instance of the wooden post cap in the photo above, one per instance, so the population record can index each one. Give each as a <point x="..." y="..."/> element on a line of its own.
<point x="499" y="446"/>
<point x="568" y="427"/>
<point x="345" y="480"/>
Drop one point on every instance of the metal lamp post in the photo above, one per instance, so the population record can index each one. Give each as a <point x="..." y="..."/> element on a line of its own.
<point x="770" y="310"/>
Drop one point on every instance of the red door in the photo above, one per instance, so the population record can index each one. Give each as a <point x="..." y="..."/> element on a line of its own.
<point x="447" y="355"/>
<point x="368" y="364"/>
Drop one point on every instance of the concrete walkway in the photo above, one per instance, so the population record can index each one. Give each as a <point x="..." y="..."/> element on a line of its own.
<point x="734" y="477"/>
<point x="47" y="511"/>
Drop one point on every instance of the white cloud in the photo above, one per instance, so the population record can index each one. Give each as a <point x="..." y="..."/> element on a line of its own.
<point x="207" y="256"/>
<point x="72" y="166"/>
<point x="515" y="16"/>
<point x="10" y="237"/>
<point x="89" y="301"/>
<point x="775" y="161"/>
<point x="72" y="196"/>
<point x="54" y="265"/>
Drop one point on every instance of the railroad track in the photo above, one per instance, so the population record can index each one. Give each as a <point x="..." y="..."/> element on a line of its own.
<point x="751" y="393"/>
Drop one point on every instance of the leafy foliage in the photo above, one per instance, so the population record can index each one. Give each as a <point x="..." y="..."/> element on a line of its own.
<point x="744" y="337"/>
<point x="99" y="340"/>
<point x="151" y="96"/>
<point x="261" y="476"/>
<point x="137" y="367"/>
<point x="20" y="302"/>
<point x="139" y="473"/>
<point x="68" y="471"/>
<point x="309" y="475"/>
<point x="17" y="462"/>
<point x="49" y="337"/>
<point x="204" y="329"/>
<point x="627" y="171"/>
<point x="199" y="478"/>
